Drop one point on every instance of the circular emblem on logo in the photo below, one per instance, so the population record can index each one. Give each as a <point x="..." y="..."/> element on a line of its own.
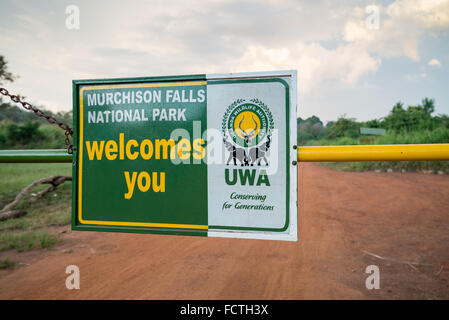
<point x="247" y="123"/>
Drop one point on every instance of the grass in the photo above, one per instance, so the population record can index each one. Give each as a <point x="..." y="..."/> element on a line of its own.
<point x="439" y="135"/>
<point x="396" y="166"/>
<point x="54" y="209"/>
<point x="7" y="263"/>
<point x="23" y="241"/>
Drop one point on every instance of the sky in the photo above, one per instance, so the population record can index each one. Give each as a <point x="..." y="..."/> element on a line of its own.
<point x="354" y="58"/>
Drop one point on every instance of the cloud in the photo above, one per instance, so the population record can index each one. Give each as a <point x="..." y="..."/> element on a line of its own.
<point x="415" y="77"/>
<point x="327" y="41"/>
<point x="233" y="36"/>
<point x="401" y="26"/>
<point x="316" y="64"/>
<point x="434" y="63"/>
<point x="427" y="14"/>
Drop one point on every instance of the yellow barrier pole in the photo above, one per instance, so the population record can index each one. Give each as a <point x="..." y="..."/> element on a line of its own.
<point x="393" y="152"/>
<point x="407" y="152"/>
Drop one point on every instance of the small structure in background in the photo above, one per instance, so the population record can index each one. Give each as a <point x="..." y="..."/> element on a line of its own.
<point x="367" y="134"/>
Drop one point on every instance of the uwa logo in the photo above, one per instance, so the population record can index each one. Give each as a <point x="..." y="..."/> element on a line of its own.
<point x="247" y="128"/>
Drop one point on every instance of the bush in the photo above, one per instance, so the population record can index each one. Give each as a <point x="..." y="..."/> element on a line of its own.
<point x="343" y="127"/>
<point x="31" y="135"/>
<point x="7" y="263"/>
<point x="23" y="134"/>
<point x="2" y="140"/>
<point x="27" y="240"/>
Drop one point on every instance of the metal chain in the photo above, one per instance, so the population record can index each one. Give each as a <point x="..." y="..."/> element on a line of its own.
<point x="40" y="113"/>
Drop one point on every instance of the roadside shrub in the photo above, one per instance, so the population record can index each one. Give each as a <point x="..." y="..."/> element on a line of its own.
<point x="30" y="135"/>
<point x="23" y="134"/>
<point x="27" y="240"/>
<point x="2" y="140"/>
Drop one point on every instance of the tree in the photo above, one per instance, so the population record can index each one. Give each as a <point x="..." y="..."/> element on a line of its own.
<point x="5" y="75"/>
<point x="429" y="106"/>
<point x="24" y="133"/>
<point x="314" y="120"/>
<point x="413" y="118"/>
<point x="343" y="127"/>
<point x="375" y="123"/>
<point x="310" y="129"/>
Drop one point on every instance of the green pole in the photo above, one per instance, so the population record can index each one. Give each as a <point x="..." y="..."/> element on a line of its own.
<point x="35" y="156"/>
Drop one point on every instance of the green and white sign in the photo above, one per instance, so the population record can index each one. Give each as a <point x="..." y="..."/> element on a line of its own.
<point x="205" y="155"/>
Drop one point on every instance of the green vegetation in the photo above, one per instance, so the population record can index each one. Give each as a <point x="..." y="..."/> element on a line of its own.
<point x="53" y="209"/>
<point x="411" y="125"/>
<point x="396" y="166"/>
<point x="7" y="263"/>
<point x="310" y="129"/>
<point x="5" y="75"/>
<point x="21" y="129"/>
<point x="27" y="240"/>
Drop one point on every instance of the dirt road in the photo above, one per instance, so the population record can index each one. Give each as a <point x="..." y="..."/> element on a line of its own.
<point x="342" y="216"/>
